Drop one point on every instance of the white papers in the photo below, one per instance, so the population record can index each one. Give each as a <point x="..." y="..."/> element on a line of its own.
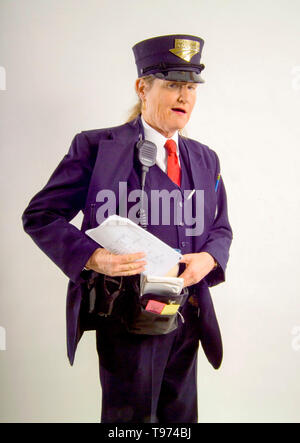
<point x="120" y="235"/>
<point x="161" y="285"/>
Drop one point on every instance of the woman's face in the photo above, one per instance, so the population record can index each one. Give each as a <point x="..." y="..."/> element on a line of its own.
<point x="167" y="105"/>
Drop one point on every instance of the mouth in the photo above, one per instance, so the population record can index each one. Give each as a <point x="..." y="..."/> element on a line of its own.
<point x="179" y="110"/>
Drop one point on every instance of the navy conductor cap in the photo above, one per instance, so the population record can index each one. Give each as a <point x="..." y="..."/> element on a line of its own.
<point x="170" y="57"/>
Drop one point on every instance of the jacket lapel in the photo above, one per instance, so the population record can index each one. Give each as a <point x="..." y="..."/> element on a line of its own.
<point x="115" y="160"/>
<point x="201" y="175"/>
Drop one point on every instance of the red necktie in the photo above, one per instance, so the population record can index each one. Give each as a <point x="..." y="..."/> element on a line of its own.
<point x="173" y="168"/>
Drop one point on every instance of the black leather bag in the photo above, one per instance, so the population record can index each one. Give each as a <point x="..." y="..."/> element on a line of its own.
<point x="119" y="298"/>
<point x="151" y="323"/>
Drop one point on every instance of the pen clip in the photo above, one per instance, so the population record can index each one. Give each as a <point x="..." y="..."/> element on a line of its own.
<point x="217" y="182"/>
<point x="191" y="194"/>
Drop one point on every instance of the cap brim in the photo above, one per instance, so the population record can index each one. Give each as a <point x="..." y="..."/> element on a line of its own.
<point x="180" y="76"/>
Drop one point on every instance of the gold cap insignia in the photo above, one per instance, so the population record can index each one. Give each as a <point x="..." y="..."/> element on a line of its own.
<point x="185" y="49"/>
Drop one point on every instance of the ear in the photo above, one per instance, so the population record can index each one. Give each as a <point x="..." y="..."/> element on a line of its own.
<point x="140" y="87"/>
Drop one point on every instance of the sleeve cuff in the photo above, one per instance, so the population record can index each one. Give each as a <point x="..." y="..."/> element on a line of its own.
<point x="217" y="274"/>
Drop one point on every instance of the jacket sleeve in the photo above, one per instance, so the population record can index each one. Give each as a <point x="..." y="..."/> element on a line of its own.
<point x="47" y="216"/>
<point x="220" y="233"/>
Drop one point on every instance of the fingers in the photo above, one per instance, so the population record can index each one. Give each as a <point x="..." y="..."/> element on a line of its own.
<point x="198" y="265"/>
<point x="131" y="272"/>
<point x="130" y="264"/>
<point x="128" y="267"/>
<point x="189" y="279"/>
<point x="122" y="265"/>
<point x="128" y="261"/>
<point x="186" y="274"/>
<point x="129" y="258"/>
<point x="192" y="274"/>
<point x="126" y="270"/>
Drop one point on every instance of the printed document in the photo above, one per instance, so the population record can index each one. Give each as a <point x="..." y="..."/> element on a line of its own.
<point x="120" y="235"/>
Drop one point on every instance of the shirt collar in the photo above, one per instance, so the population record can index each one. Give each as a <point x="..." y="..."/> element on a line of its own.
<point x="156" y="137"/>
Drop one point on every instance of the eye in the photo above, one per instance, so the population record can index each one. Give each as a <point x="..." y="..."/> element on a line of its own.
<point x="172" y="85"/>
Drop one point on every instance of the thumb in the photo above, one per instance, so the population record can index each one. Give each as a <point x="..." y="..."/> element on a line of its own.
<point x="184" y="275"/>
<point x="185" y="258"/>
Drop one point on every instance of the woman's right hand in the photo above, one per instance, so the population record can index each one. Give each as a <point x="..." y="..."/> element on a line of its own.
<point x="116" y="265"/>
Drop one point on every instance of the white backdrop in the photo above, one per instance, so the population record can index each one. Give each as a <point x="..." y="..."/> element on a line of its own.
<point x="67" y="66"/>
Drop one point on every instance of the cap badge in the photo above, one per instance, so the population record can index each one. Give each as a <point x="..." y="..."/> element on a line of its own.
<point x="185" y="49"/>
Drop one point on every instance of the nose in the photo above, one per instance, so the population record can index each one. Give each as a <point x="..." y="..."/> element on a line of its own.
<point x="184" y="92"/>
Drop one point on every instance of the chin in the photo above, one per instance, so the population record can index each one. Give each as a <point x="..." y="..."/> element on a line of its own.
<point x="181" y="121"/>
<point x="180" y="125"/>
<point x="175" y="124"/>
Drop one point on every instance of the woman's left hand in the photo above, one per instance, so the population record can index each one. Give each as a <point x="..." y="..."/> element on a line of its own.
<point x="198" y="265"/>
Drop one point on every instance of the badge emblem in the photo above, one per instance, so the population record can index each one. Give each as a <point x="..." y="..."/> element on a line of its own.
<point x="185" y="49"/>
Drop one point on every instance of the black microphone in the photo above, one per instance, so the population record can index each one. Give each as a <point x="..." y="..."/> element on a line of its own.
<point x="147" y="157"/>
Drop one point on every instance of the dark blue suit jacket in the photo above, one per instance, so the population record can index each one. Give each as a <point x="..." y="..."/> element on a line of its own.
<point x="100" y="159"/>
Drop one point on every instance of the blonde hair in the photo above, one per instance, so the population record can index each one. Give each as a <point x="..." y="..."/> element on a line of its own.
<point x="136" y="110"/>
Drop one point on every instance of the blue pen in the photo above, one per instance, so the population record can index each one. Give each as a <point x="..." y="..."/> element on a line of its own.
<point x="217" y="182"/>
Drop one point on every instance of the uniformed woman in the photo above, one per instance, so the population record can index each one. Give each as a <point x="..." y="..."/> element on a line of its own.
<point x="145" y="376"/>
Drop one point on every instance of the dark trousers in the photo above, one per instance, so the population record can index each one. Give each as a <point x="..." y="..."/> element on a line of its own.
<point x="149" y="379"/>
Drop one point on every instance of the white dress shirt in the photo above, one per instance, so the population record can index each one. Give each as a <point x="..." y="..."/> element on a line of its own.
<point x="159" y="140"/>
